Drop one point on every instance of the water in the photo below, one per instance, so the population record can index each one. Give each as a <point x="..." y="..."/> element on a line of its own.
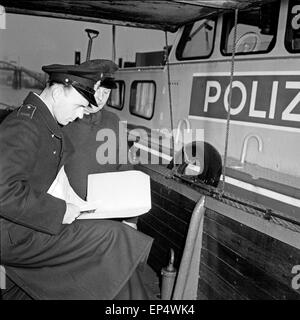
<point x="13" y="97"/>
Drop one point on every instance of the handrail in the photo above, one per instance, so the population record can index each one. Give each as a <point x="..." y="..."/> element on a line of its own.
<point x="180" y="123"/>
<point x="245" y="145"/>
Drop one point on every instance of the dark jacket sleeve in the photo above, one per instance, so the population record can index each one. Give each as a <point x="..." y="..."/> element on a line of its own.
<point x="19" y="201"/>
<point x="112" y="121"/>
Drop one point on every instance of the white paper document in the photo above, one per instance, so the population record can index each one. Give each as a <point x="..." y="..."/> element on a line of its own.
<point x="109" y="195"/>
<point x="118" y="194"/>
<point x="61" y="188"/>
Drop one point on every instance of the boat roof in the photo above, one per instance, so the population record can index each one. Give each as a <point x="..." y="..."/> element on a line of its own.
<point x="167" y="15"/>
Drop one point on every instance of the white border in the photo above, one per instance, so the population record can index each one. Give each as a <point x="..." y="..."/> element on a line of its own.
<point x="248" y="73"/>
<point x="262" y="191"/>
<point x="248" y="124"/>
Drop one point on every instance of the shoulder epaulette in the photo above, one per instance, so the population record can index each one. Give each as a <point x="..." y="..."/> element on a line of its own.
<point x="26" y="110"/>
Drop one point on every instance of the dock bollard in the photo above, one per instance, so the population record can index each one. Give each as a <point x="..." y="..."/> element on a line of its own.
<point x="168" y="279"/>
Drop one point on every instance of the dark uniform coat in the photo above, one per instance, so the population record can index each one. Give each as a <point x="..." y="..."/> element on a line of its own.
<point x="87" y="142"/>
<point x="91" y="259"/>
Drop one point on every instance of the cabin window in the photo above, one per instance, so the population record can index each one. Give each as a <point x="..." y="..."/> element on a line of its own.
<point x="142" y="98"/>
<point x="292" y="35"/>
<point x="197" y="40"/>
<point x="256" y="30"/>
<point x="116" y="98"/>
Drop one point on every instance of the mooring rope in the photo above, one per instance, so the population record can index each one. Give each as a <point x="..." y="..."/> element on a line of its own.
<point x="170" y="95"/>
<point x="229" y="102"/>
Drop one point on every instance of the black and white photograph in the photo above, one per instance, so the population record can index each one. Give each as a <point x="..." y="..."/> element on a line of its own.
<point x="149" y="153"/>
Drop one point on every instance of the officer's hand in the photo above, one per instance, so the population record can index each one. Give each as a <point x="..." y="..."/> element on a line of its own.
<point x="72" y="212"/>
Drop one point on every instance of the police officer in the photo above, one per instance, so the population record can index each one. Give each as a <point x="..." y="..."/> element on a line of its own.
<point x="88" y="139"/>
<point x="45" y="251"/>
<point x="95" y="138"/>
